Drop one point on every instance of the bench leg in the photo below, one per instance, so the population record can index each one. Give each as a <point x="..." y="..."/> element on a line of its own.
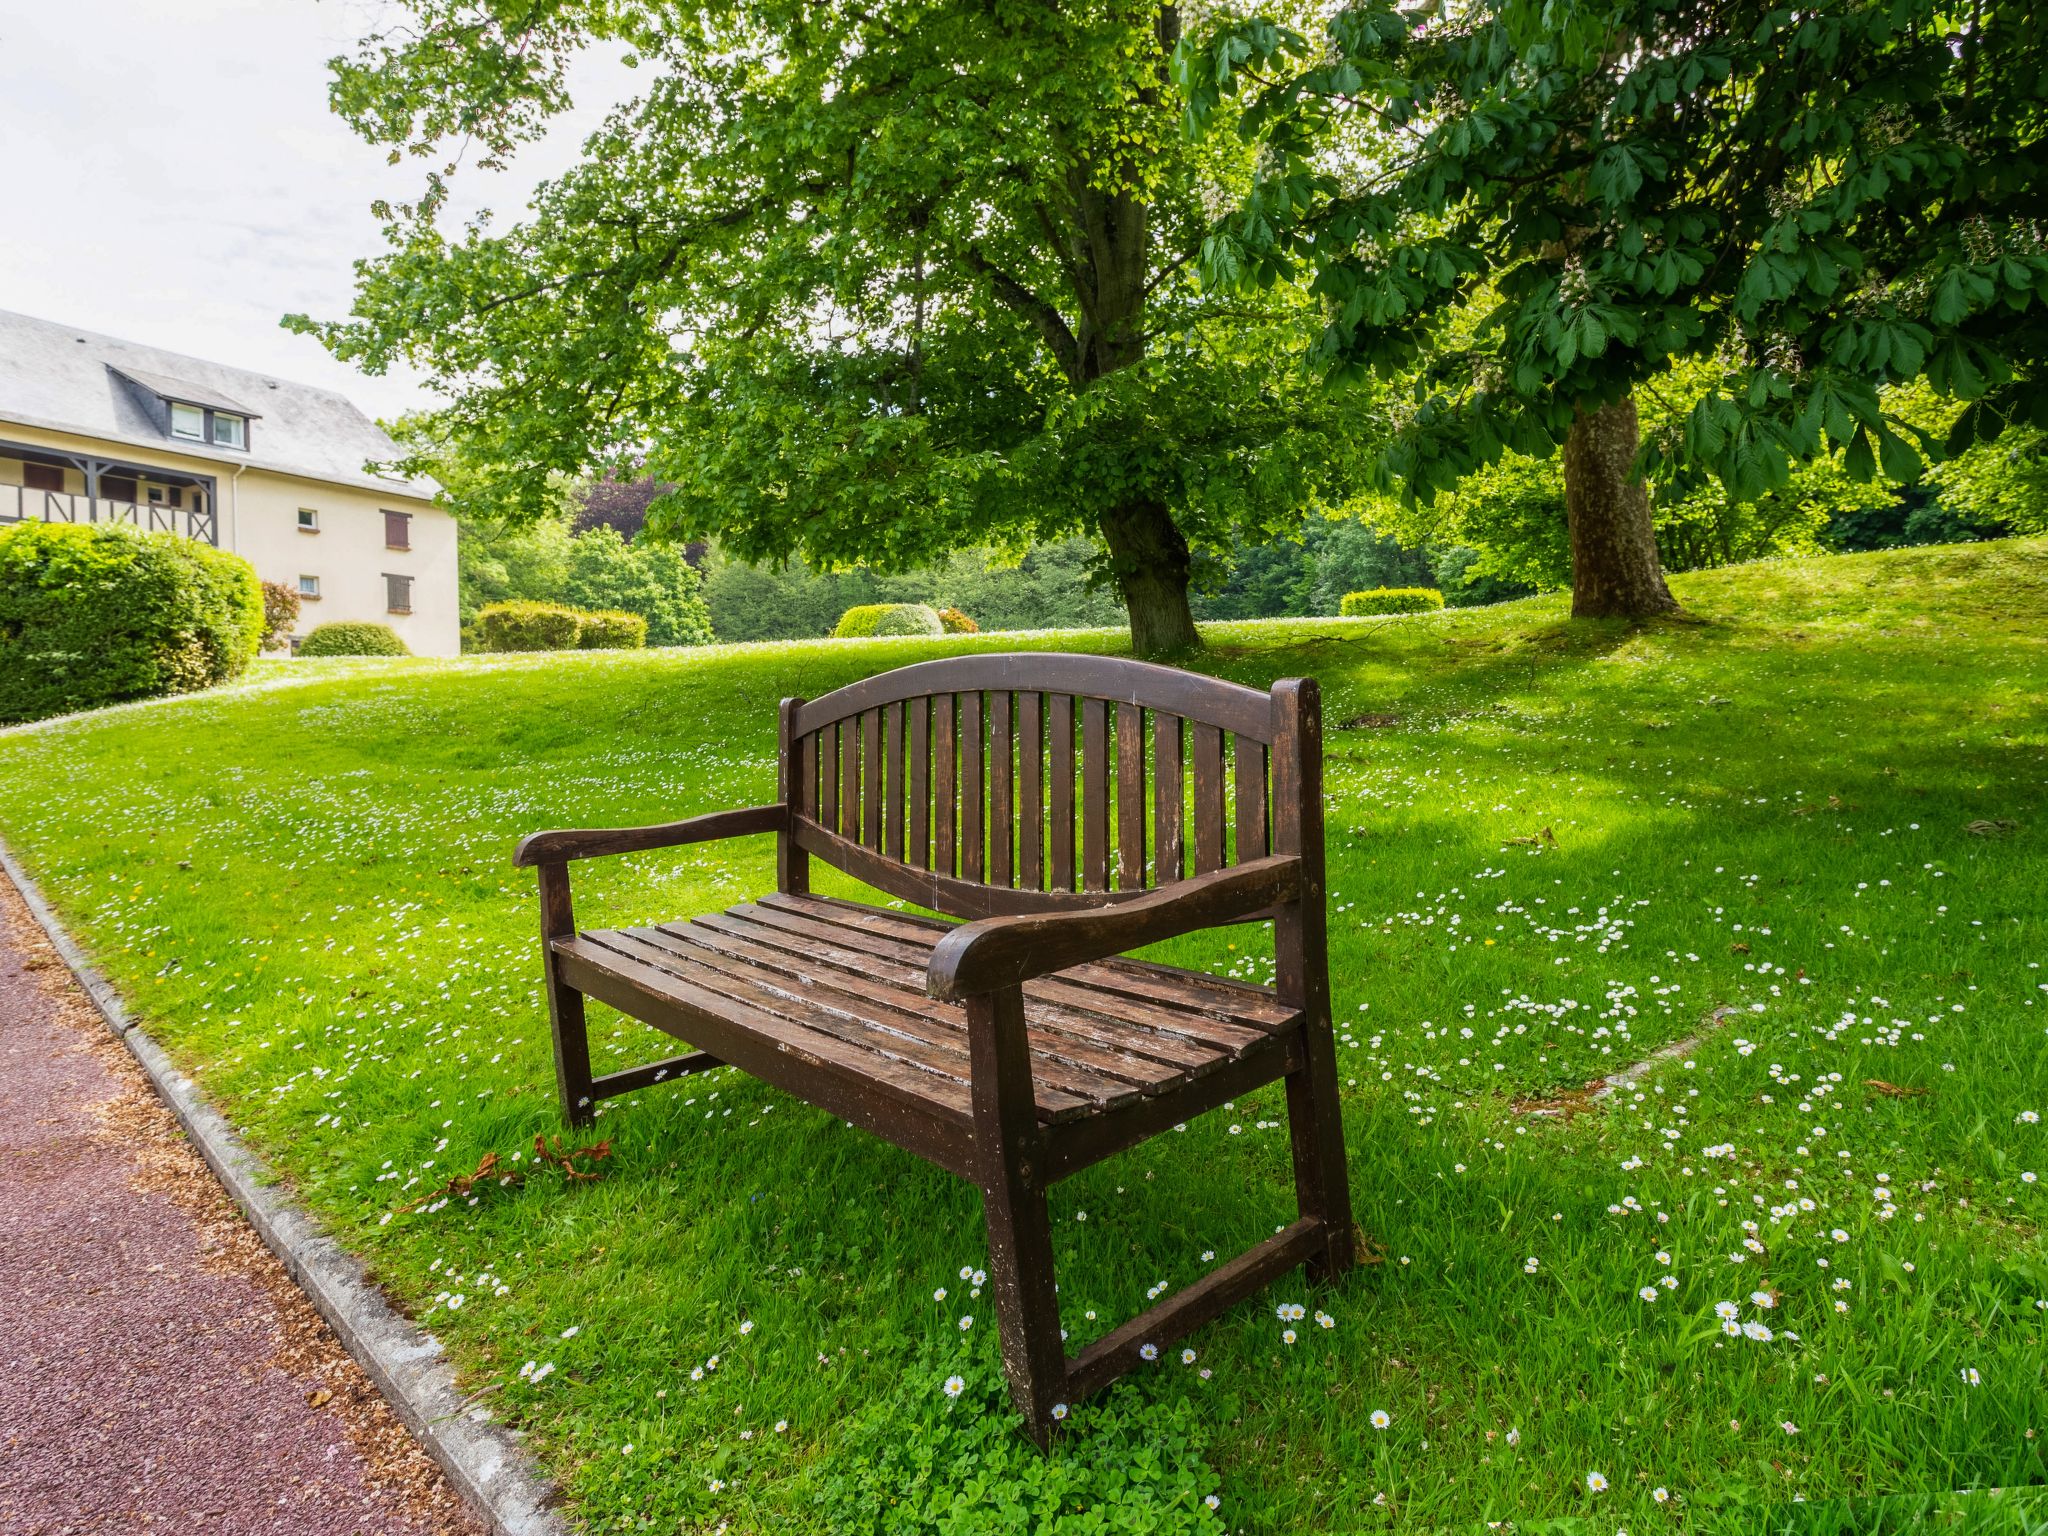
<point x="1013" y="1199"/>
<point x="1322" y="1183"/>
<point x="565" y="1003"/>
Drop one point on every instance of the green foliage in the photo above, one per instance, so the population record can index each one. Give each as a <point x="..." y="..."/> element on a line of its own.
<point x="610" y="630"/>
<point x="954" y="622"/>
<point x="864" y="286"/>
<point x="1568" y="198"/>
<point x="280" y="613"/>
<point x="353" y="639"/>
<point x="923" y="1462"/>
<point x="94" y="614"/>
<point x="528" y="626"/>
<point x="645" y="577"/>
<point x="888" y="619"/>
<point x="1390" y="600"/>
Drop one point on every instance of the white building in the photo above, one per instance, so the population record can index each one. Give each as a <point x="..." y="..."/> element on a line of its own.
<point x="93" y="429"/>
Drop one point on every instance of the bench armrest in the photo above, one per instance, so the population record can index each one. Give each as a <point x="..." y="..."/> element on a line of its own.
<point x="562" y="847"/>
<point x="1004" y="951"/>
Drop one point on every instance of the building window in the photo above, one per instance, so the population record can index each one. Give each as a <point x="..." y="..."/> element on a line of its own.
<point x="166" y="496"/>
<point x="120" y="488"/>
<point x="188" y="422"/>
<point x="398" y="594"/>
<point x="229" y="431"/>
<point x="309" y="520"/>
<point x="309" y="586"/>
<point x="398" y="530"/>
<point x="42" y="477"/>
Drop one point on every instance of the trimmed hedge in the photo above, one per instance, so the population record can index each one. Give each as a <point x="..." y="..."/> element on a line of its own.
<point x="611" y="629"/>
<point x="1390" y="600"/>
<point x="97" y="613"/>
<point x="954" y="622"/>
<point x="524" y="626"/>
<point x="888" y="619"/>
<point x="358" y="639"/>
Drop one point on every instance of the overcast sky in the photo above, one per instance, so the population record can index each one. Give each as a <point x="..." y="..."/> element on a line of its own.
<point x="173" y="176"/>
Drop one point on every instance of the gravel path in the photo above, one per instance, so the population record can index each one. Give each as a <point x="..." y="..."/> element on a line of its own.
<point x="159" y="1372"/>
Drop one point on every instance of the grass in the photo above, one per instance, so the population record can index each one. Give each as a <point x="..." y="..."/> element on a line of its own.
<point x="1812" y="813"/>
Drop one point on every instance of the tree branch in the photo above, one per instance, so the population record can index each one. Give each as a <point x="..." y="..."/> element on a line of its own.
<point x="1013" y="295"/>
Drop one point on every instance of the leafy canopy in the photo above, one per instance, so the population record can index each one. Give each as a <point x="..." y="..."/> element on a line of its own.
<point x="1521" y="204"/>
<point x="862" y="282"/>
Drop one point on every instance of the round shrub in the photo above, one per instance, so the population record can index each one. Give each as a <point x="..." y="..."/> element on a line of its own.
<point x="954" y="622"/>
<point x="97" y="613"/>
<point x="888" y="619"/>
<point x="353" y="640"/>
<point x="611" y="629"/>
<point x="1390" y="600"/>
<point x="524" y="626"/>
<point x="280" y="613"/>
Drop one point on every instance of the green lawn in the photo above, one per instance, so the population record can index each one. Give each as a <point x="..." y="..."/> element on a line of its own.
<point x="1816" y="810"/>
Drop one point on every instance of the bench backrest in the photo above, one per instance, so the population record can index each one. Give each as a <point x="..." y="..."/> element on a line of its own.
<point x="1031" y="781"/>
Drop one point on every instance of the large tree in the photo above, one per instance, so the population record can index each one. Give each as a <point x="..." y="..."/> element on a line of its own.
<point x="862" y="281"/>
<point x="1531" y="210"/>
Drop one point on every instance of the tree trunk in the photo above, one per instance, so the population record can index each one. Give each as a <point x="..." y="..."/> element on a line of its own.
<point x="1149" y="559"/>
<point x="1615" y="571"/>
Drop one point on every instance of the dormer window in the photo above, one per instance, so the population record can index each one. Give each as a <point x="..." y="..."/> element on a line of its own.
<point x="229" y="431"/>
<point x="188" y="422"/>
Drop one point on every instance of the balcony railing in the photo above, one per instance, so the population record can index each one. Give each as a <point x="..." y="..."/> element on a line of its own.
<point x="20" y="504"/>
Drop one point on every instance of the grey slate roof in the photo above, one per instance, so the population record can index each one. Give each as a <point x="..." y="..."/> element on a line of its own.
<point x="68" y="380"/>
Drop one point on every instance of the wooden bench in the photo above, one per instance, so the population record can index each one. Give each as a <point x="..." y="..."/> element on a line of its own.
<point x="1019" y="1047"/>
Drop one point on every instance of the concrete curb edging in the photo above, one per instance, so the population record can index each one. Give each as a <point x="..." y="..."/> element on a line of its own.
<point x="484" y="1460"/>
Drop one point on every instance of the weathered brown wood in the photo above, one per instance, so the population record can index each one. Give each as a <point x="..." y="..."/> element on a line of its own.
<point x="945" y="785"/>
<point x="1130" y="798"/>
<point x="1248" y="769"/>
<point x="920" y="850"/>
<point x="1001" y="951"/>
<point x="871" y="778"/>
<point x="1094" y="795"/>
<point x="1183" y="1312"/>
<point x="1030" y="792"/>
<point x="828" y="775"/>
<point x="892" y="791"/>
<point x="1230" y="706"/>
<point x="566" y="1024"/>
<point x="795" y="788"/>
<point x="1002" y="808"/>
<point x="971" y="801"/>
<point x="1060" y="768"/>
<point x="849" y="779"/>
<point x="1023" y="1046"/>
<point x="1302" y="974"/>
<point x="1020" y="1259"/>
<point x="1208" y="754"/>
<point x="566" y="847"/>
<point x="1169" y="791"/>
<point x="612" y="1084"/>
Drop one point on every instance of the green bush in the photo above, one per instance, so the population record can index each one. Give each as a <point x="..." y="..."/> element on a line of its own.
<point x="522" y="626"/>
<point x="97" y="613"/>
<point x="611" y="629"/>
<point x="353" y="640"/>
<point x="888" y="619"/>
<point x="1390" y="600"/>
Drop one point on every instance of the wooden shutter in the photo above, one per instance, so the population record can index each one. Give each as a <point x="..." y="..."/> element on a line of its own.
<point x="398" y="594"/>
<point x="398" y="530"/>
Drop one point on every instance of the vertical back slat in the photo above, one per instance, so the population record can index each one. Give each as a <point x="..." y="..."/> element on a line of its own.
<point x="871" y="778"/>
<point x="1130" y="797"/>
<point x="945" y="783"/>
<point x="1248" y="766"/>
<point x="1094" y="795"/>
<point x="919" y="852"/>
<point x="892" y="794"/>
<point x="1208" y="750"/>
<point x="1002" y="812"/>
<point x="1169" y="807"/>
<point x="849" y="780"/>
<point x="1030" y="792"/>
<point x="971" y="776"/>
<point x="828" y="776"/>
<point x="1060" y="764"/>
